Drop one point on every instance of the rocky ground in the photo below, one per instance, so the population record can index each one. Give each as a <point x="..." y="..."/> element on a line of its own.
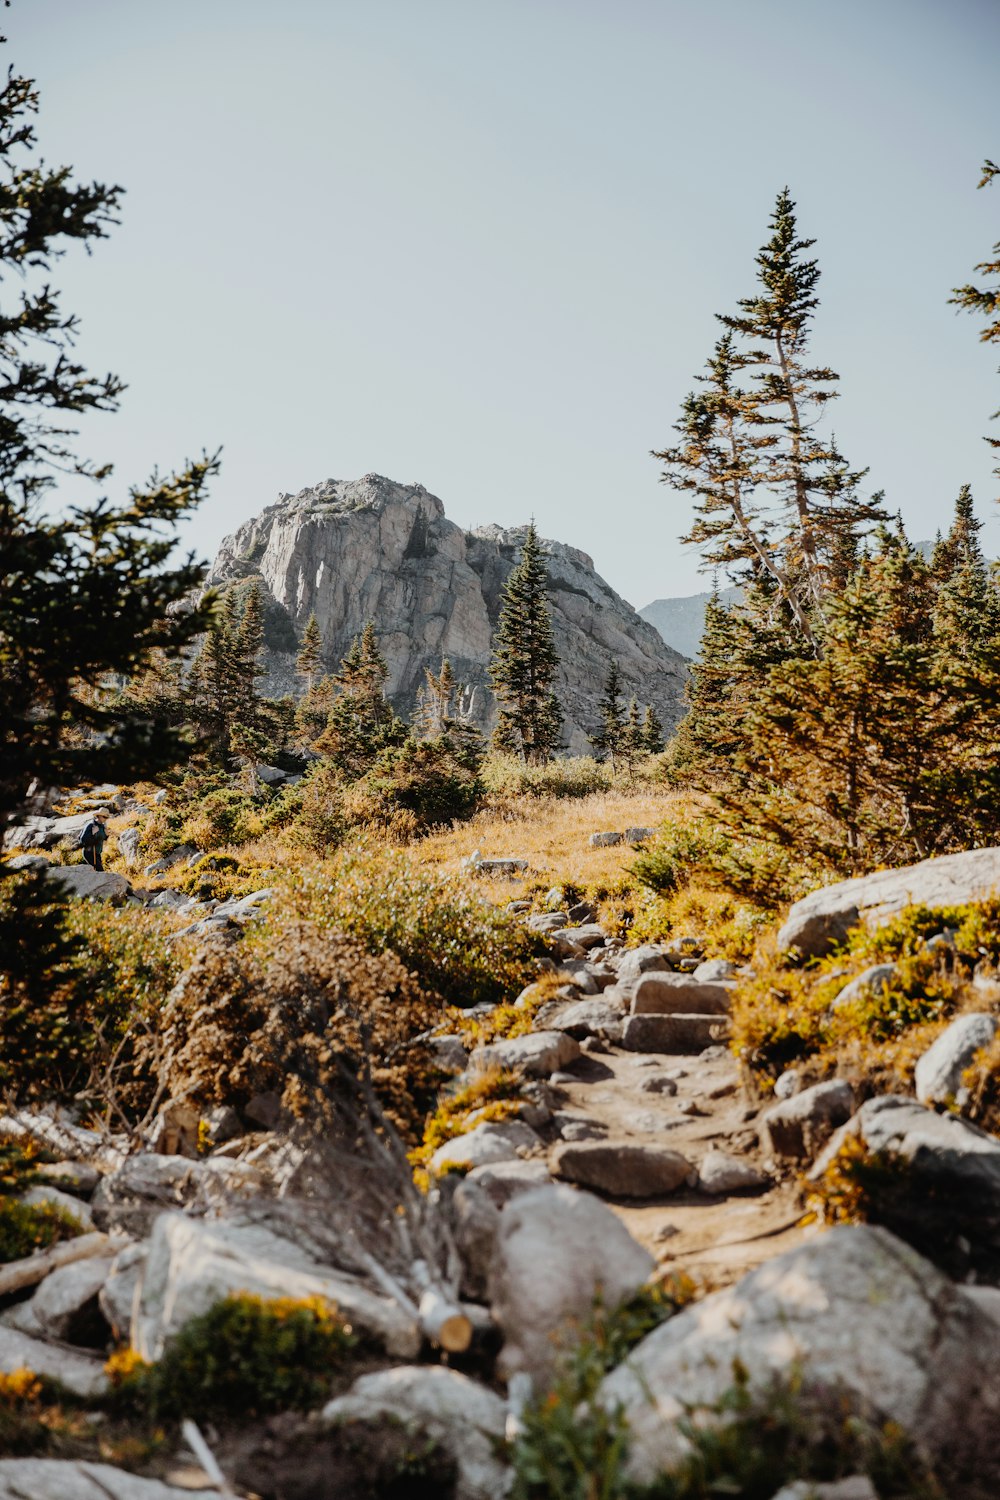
<point x="638" y="1149"/>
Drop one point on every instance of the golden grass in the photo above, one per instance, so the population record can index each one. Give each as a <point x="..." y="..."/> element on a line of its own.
<point x="553" y="834"/>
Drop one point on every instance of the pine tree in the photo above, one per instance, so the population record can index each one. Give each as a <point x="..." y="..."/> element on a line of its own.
<point x="652" y="731"/>
<point x="631" y="748"/>
<point x="985" y="300"/>
<point x="967" y="609"/>
<point x="434" y="701"/>
<point x="772" y="500"/>
<point x="524" y="661"/>
<point x="361" y="722"/>
<point x="309" y="662"/>
<point x="86" y="593"/>
<point x="607" y="740"/>
<point x="248" y="642"/>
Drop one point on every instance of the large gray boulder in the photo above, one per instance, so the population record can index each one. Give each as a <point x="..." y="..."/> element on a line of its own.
<point x="824" y="918"/>
<point x="65" y="1294"/>
<point x="68" y="1479"/>
<point x="89" y="885"/>
<point x="536" y="1055"/>
<point x="621" y="1169"/>
<point x="194" y="1263"/>
<point x="940" y="1187"/>
<point x="855" y="1311"/>
<point x="798" y="1127"/>
<point x="681" y="994"/>
<point x="556" y="1250"/>
<point x="938" y="1074"/>
<point x="350" y="551"/>
<point x="459" y="1414"/>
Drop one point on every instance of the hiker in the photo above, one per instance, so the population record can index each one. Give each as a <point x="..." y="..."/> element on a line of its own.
<point x="93" y="838"/>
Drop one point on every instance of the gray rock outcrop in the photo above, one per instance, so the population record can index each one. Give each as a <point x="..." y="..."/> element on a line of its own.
<point x="823" y="918"/>
<point x="370" y="549"/>
<point x="855" y="1311"/>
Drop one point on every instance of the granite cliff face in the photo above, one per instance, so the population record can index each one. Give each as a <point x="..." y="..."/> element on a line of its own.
<point x="369" y="549"/>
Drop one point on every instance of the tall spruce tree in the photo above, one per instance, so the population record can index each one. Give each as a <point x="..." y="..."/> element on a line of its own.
<point x="967" y="608"/>
<point x="652" y="731"/>
<point x="524" y="661"/>
<point x="309" y="662"/>
<point x="86" y="593"/>
<point x="772" y="499"/>
<point x="985" y="300"/>
<point x="361" y="722"/>
<point x="607" y="740"/>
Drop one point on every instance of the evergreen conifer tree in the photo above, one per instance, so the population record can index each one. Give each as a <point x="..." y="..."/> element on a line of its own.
<point x="361" y="722"/>
<point x="967" y="608"/>
<point x="524" y="661"/>
<point x="652" y="731"/>
<point x="309" y="662"/>
<point x="85" y="593"/>
<point x="607" y="740"/>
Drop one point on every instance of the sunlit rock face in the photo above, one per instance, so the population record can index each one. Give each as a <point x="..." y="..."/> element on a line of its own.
<point x="350" y="551"/>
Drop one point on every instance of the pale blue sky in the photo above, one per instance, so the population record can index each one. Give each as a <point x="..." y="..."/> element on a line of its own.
<point x="480" y="245"/>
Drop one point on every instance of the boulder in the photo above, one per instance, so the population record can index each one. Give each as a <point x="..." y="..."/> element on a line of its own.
<point x="605" y="840"/>
<point x="854" y="1311"/>
<point x="557" y="1249"/>
<point x="475" y="1224"/>
<point x="679" y="1034"/>
<point x="494" y="1140"/>
<point x="621" y="1169"/>
<point x="179" y="856"/>
<point x="194" y="1263"/>
<point x="938" y="1074"/>
<point x="42" y="1193"/>
<point x="799" y="1126"/>
<point x="75" y="1177"/>
<point x="721" y="1172"/>
<point x="465" y="1418"/>
<point x="59" y="1305"/>
<point x="714" y="969"/>
<point x="942" y="1187"/>
<point x="27" y="862"/>
<point x="588" y="1018"/>
<point x="449" y="1053"/>
<point x="680" y="994"/>
<point x="79" y="1373"/>
<point x="871" y="981"/>
<point x="244" y="908"/>
<point x="128" y="845"/>
<point x="74" y="1479"/>
<point x="129" y="1199"/>
<point x="117" y="1297"/>
<point x="90" y="885"/>
<point x="635" y="962"/>
<point x="504" y="1180"/>
<point x="639" y="835"/>
<point x="824" y="918"/>
<point x="536" y="1055"/>
<point x="588" y="936"/>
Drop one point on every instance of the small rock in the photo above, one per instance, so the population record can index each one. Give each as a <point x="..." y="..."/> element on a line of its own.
<point x="79" y="1373"/>
<point x="42" y="1193"/>
<point x="504" y="1180"/>
<point x="871" y="981"/>
<point x="60" y="1303"/>
<point x="578" y="1128"/>
<point x="659" y="1083"/>
<point x="788" y="1083"/>
<point x="722" y="1173"/>
<point x="605" y="840"/>
<point x="621" y="1169"/>
<point x="536" y="1055"/>
<point x="69" y="1176"/>
<point x="714" y="969"/>
<point x="492" y="1141"/>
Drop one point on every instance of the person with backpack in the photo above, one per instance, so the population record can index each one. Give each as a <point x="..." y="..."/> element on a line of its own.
<point x="93" y="838"/>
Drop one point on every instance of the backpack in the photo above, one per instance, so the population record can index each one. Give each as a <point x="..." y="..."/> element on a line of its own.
<point x="86" y="839"/>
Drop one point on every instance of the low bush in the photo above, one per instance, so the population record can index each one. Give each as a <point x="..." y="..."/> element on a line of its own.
<point x="246" y="1356"/>
<point x="493" y="1096"/>
<point x="27" y="1227"/>
<point x="571" y="1447"/>
<point x="74" y="978"/>
<point x="224" y="816"/>
<point x="459" y="946"/>
<point x="507" y="777"/>
<point x="306" y="1014"/>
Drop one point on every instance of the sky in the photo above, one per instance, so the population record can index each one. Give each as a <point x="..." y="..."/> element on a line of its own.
<point x="479" y="244"/>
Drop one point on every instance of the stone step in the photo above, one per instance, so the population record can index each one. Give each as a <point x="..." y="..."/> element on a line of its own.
<point x="673" y="1033"/>
<point x="679" y="994"/>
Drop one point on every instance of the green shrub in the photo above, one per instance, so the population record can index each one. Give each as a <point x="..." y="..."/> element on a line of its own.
<point x="507" y="776"/>
<point x="225" y="816"/>
<point x="246" y="1356"/>
<point x="458" y="945"/>
<point x="434" y="780"/>
<point x="74" y="977"/>
<point x="765" y="1440"/>
<point x="321" y="822"/>
<point x="570" y="1446"/>
<point x="27" y="1227"/>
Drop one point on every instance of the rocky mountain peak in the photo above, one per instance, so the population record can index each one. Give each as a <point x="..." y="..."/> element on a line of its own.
<point x="350" y="551"/>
